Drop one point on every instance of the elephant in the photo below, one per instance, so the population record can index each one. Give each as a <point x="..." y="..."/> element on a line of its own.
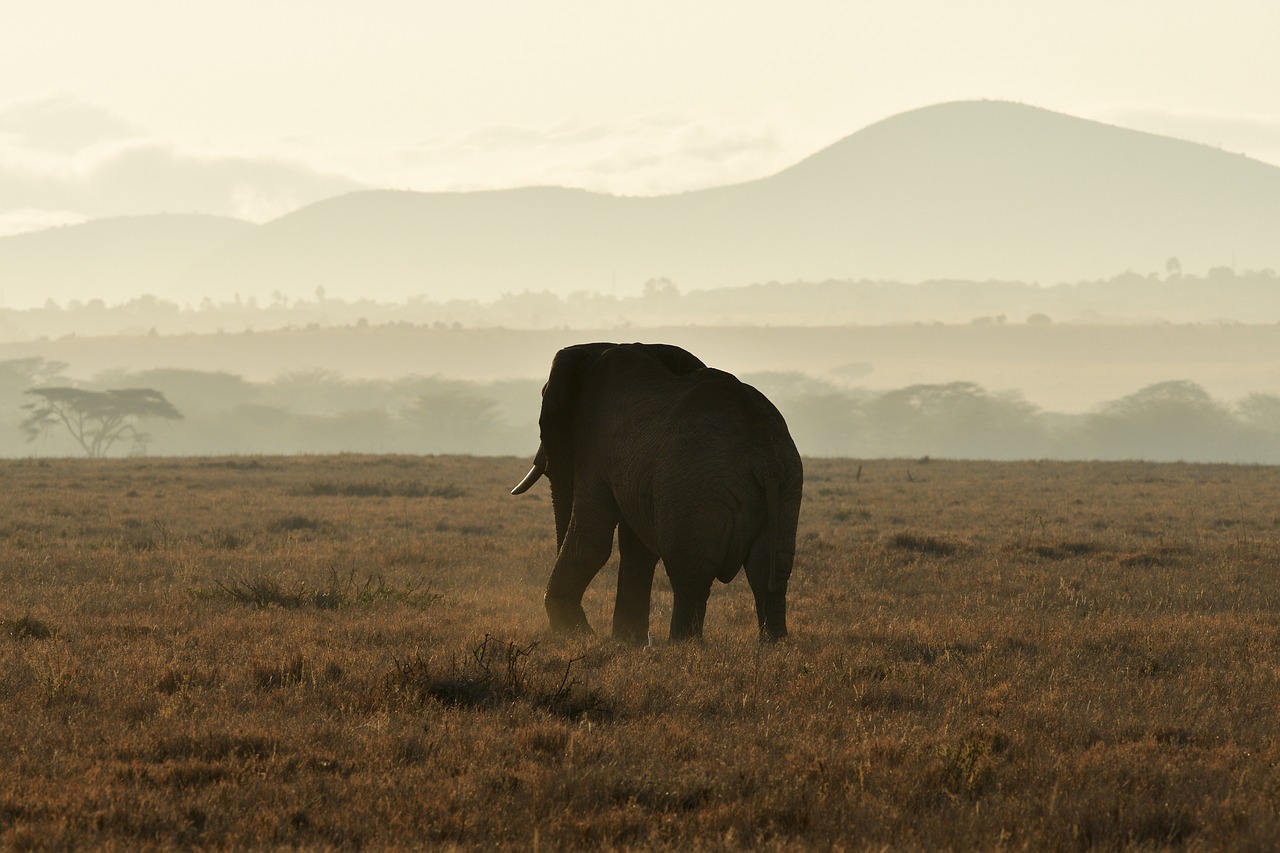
<point x="687" y="463"/>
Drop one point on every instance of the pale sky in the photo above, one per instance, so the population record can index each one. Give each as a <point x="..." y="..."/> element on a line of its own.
<point x="254" y="108"/>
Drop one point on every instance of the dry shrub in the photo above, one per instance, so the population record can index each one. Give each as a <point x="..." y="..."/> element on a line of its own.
<point x="494" y="672"/>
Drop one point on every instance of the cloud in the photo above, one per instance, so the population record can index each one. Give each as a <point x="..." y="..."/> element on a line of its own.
<point x="26" y="219"/>
<point x="63" y="161"/>
<point x="1253" y="137"/>
<point x="141" y="178"/>
<point x="61" y="123"/>
<point x="645" y="156"/>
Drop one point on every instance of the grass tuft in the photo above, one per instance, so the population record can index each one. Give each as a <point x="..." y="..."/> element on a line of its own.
<point x="294" y="670"/>
<point x="931" y="545"/>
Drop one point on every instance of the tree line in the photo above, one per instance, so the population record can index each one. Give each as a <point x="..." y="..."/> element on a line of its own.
<point x="1219" y="295"/>
<point x="188" y="412"/>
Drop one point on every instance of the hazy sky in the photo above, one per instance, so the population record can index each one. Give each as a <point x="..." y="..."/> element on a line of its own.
<point x="254" y="108"/>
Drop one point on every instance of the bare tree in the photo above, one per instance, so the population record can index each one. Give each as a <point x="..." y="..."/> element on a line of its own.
<point x="96" y="419"/>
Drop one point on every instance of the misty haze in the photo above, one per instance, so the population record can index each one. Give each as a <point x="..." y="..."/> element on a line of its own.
<point x="976" y="279"/>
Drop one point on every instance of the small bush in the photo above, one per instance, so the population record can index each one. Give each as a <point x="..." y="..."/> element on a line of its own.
<point x="1064" y="550"/>
<point x="1153" y="558"/>
<point x="493" y="673"/>
<point x="26" y="628"/>
<point x="294" y="523"/>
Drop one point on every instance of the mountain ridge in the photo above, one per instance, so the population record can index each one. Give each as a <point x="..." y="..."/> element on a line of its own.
<point x="141" y="253"/>
<point x="966" y="190"/>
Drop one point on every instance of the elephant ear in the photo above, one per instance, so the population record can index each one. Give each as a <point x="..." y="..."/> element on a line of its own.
<point x="560" y="397"/>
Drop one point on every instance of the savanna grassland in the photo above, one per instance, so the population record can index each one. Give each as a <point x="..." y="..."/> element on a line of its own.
<point x="351" y="652"/>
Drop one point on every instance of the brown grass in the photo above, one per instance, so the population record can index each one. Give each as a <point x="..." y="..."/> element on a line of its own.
<point x="347" y="652"/>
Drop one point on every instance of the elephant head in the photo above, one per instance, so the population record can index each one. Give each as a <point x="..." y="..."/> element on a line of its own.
<point x="560" y="400"/>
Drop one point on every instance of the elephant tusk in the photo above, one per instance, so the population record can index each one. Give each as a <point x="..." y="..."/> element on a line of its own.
<point x="535" y="473"/>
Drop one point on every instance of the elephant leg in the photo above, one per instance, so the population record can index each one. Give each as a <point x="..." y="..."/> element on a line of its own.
<point x="587" y="545"/>
<point x="771" y="605"/>
<point x="636" y="564"/>
<point x="690" y="590"/>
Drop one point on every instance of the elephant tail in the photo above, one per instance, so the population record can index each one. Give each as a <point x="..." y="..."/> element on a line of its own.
<point x="782" y="502"/>
<point x="779" y="564"/>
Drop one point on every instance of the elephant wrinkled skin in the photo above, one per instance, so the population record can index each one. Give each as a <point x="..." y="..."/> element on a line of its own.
<point x="688" y="464"/>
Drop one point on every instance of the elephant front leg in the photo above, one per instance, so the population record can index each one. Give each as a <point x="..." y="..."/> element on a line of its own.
<point x="585" y="551"/>
<point x="636" y="564"/>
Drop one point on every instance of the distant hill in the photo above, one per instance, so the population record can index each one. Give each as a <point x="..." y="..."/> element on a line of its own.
<point x="127" y="254"/>
<point x="971" y="190"/>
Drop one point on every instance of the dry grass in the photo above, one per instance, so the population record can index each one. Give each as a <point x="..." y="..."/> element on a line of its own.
<point x="350" y="652"/>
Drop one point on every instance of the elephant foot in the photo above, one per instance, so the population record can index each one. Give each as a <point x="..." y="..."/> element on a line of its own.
<point x="686" y="629"/>
<point x="631" y="636"/>
<point x="772" y="635"/>
<point x="567" y="618"/>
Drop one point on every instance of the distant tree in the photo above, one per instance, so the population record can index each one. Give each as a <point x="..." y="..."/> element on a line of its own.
<point x="190" y="391"/>
<point x="957" y="420"/>
<point x="19" y="374"/>
<point x="660" y="288"/>
<point x="1261" y="411"/>
<point x="16" y="376"/>
<point x="96" y="419"/>
<point x="1167" y="421"/>
<point x="454" y="421"/>
<point x="1259" y="415"/>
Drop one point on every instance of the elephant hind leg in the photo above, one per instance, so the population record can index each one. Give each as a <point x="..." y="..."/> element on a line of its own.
<point x="690" y="590"/>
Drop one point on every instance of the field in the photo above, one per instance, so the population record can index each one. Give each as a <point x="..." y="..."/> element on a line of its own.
<point x="351" y="652"/>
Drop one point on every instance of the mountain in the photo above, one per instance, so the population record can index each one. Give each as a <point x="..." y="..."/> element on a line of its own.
<point x="969" y="190"/>
<point x="120" y="255"/>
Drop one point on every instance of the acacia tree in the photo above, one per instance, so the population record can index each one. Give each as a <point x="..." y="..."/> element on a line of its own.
<point x="96" y="419"/>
